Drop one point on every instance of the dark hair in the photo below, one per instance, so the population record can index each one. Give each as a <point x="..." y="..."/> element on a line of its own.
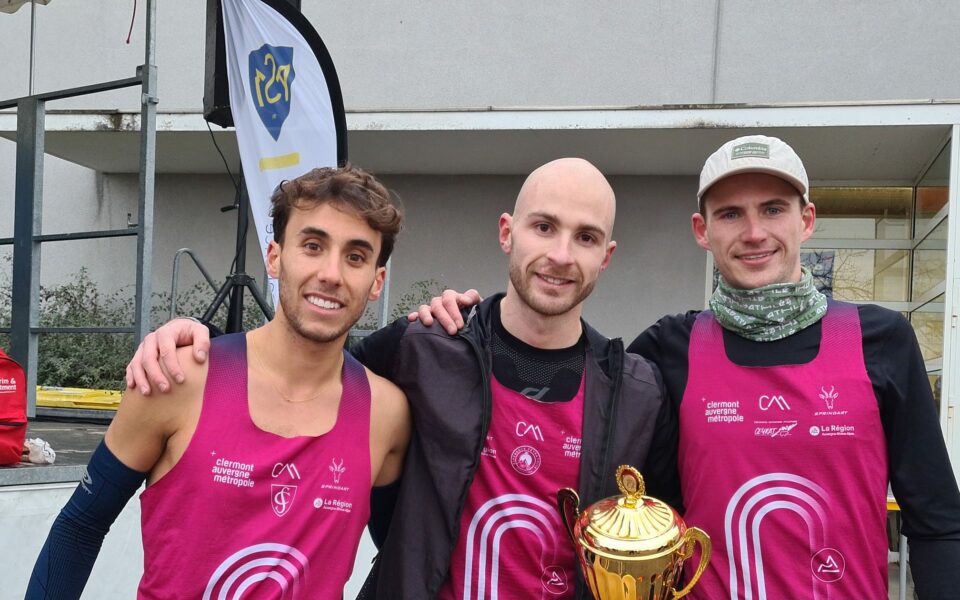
<point x="344" y="187"/>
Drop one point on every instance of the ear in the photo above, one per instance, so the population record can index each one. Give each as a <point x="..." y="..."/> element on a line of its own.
<point x="377" y="287"/>
<point x="506" y="226"/>
<point x="273" y="259"/>
<point x="608" y="256"/>
<point x="699" y="226"/>
<point x="809" y="216"/>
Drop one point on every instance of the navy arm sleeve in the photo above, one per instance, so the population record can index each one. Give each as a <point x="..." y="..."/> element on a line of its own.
<point x="67" y="557"/>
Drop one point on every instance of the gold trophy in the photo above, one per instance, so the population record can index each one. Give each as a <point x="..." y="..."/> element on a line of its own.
<point x="632" y="547"/>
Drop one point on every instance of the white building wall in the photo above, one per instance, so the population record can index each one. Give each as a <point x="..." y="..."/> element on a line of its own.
<point x="450" y="236"/>
<point x="437" y="54"/>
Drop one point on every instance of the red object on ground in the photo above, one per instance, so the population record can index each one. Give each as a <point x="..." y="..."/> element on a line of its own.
<point x="13" y="410"/>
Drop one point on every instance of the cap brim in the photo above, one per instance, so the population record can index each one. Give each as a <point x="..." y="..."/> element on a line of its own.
<point x="789" y="178"/>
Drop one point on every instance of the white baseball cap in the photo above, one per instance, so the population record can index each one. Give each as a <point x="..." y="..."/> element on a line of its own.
<point x="755" y="154"/>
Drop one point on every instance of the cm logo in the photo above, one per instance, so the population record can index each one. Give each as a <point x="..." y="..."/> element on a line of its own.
<point x="524" y="428"/>
<point x="767" y="401"/>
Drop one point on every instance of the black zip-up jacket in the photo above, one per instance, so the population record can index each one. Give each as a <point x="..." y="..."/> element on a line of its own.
<point x="447" y="381"/>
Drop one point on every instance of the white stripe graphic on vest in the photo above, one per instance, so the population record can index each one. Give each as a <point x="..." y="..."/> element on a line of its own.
<point x="232" y="578"/>
<point x="492" y="520"/>
<point x="745" y="513"/>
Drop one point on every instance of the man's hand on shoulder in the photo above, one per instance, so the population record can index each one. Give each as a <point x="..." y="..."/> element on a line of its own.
<point x="160" y="347"/>
<point x="446" y="309"/>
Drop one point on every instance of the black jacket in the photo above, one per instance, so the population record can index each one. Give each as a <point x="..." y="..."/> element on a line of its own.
<point x="447" y="381"/>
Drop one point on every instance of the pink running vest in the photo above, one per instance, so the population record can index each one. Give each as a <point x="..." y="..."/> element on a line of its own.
<point x="250" y="515"/>
<point x="786" y="469"/>
<point x="512" y="544"/>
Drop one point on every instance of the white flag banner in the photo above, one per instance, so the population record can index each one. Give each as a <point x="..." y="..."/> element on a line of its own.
<point x="285" y="99"/>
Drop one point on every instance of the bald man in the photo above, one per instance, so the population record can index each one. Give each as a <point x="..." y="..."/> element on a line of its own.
<point x="526" y="399"/>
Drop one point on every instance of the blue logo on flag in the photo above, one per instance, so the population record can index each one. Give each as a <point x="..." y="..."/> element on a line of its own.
<point x="271" y="77"/>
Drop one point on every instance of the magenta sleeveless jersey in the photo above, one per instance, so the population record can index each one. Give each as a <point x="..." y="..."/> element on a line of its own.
<point x="785" y="468"/>
<point x="250" y="515"/>
<point x="512" y="543"/>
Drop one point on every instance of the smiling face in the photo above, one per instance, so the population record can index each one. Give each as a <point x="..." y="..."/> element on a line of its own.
<point x="754" y="225"/>
<point x="327" y="270"/>
<point x="558" y="237"/>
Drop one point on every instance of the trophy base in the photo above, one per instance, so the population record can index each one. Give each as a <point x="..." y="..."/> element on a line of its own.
<point x="624" y="579"/>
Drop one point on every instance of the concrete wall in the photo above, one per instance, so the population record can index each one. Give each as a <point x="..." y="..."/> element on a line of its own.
<point x="433" y="54"/>
<point x="26" y="514"/>
<point x="450" y="237"/>
<point x="437" y="54"/>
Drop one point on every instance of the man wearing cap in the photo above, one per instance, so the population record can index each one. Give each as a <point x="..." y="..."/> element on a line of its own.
<point x="795" y="410"/>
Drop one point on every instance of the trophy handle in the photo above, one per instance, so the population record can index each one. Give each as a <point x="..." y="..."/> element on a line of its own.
<point x="691" y="536"/>
<point x="568" y="503"/>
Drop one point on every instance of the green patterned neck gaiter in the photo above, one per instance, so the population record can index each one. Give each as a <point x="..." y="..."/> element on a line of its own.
<point x="771" y="312"/>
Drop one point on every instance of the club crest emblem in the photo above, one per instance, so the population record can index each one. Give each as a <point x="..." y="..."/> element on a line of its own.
<point x="271" y="77"/>
<point x="526" y="460"/>
<point x="281" y="498"/>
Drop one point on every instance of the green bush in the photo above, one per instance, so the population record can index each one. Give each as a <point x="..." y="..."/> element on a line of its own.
<point x="97" y="360"/>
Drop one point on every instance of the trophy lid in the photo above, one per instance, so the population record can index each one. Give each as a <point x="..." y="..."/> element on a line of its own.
<point x="631" y="524"/>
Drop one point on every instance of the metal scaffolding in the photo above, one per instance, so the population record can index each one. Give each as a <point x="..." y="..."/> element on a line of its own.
<point x="28" y="238"/>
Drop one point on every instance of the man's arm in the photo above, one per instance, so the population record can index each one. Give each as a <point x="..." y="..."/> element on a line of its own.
<point x="133" y="444"/>
<point x="68" y="555"/>
<point x="920" y="472"/>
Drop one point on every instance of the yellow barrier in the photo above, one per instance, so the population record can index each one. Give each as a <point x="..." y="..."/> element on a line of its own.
<point x="61" y="397"/>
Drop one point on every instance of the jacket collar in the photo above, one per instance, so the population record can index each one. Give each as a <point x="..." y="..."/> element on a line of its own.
<point x="480" y="326"/>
